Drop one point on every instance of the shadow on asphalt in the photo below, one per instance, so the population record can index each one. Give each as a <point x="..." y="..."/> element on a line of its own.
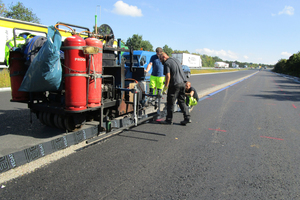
<point x="133" y="137"/>
<point x="279" y="96"/>
<point x="287" y="90"/>
<point x="287" y="81"/>
<point x="152" y="133"/>
<point x="17" y="122"/>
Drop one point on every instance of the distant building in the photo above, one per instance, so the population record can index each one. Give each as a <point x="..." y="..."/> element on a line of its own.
<point x="234" y="65"/>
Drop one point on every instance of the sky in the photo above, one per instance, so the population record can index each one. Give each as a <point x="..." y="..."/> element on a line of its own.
<point x="253" y="31"/>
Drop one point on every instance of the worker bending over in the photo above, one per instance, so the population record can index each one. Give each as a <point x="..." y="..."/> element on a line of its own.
<point x="191" y="96"/>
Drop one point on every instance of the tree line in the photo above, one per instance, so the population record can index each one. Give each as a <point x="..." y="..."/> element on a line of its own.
<point x="20" y="12"/>
<point x="289" y="66"/>
<point x="137" y="43"/>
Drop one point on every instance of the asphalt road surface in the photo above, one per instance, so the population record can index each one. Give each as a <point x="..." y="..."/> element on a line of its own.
<point x="243" y="143"/>
<point x="17" y="133"/>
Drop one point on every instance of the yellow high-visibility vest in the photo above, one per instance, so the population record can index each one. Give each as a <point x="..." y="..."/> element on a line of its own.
<point x="10" y="44"/>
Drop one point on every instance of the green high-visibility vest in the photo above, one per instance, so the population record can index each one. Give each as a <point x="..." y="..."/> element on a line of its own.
<point x="10" y="44"/>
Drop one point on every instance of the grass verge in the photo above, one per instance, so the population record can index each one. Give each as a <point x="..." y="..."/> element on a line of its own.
<point x="203" y="71"/>
<point x="4" y="78"/>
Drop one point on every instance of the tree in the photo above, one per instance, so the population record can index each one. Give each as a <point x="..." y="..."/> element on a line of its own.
<point x="217" y="59"/>
<point x="146" y="45"/>
<point x="168" y="50"/>
<point x="136" y="42"/>
<point x="280" y="66"/>
<point x="20" y="12"/>
<point x="293" y="65"/>
<point x="2" y="9"/>
<point x="290" y="66"/>
<point x="178" y="51"/>
<point x="208" y="61"/>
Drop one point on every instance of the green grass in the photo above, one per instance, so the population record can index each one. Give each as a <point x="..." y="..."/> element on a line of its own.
<point x="203" y="71"/>
<point x="4" y="78"/>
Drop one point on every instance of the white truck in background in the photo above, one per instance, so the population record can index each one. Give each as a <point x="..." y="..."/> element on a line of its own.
<point x="192" y="61"/>
<point x="221" y="65"/>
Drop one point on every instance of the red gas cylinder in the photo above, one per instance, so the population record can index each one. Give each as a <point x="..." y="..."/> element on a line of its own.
<point x="75" y="73"/>
<point x="94" y="63"/>
<point x="17" y="70"/>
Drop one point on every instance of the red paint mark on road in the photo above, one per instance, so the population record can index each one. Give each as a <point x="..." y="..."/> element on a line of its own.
<point x="294" y="106"/>
<point x="217" y="130"/>
<point x="271" y="138"/>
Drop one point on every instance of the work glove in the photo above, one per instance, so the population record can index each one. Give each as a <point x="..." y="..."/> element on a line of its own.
<point x="165" y="90"/>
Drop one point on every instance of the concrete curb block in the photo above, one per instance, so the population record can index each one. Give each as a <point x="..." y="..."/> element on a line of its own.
<point x="6" y="89"/>
<point x="293" y="78"/>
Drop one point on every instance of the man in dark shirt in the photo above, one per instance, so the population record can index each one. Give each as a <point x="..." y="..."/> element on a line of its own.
<point x="175" y="83"/>
<point x="191" y="96"/>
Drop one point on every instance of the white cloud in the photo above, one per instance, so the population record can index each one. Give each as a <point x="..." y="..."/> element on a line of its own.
<point x="222" y="53"/>
<point x="122" y="8"/>
<point x="246" y="57"/>
<point x="288" y="10"/>
<point x="286" y="54"/>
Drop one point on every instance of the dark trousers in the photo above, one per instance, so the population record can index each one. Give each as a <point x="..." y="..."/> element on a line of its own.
<point x="176" y="92"/>
<point x="159" y="93"/>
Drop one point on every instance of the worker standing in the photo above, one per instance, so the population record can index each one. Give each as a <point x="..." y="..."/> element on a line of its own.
<point x="157" y="77"/>
<point x="175" y="84"/>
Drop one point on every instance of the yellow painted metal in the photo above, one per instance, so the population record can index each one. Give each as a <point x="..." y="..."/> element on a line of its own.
<point x="12" y="23"/>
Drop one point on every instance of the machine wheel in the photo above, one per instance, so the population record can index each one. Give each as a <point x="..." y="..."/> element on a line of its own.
<point x="61" y="123"/>
<point x="45" y="118"/>
<point x="50" y="119"/>
<point x="69" y="123"/>
<point x="55" y="119"/>
<point x="89" y="118"/>
<point x="41" y="118"/>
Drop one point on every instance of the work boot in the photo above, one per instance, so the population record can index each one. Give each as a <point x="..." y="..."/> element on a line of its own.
<point x="151" y="91"/>
<point x="185" y="121"/>
<point x="155" y="105"/>
<point x="166" y="122"/>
